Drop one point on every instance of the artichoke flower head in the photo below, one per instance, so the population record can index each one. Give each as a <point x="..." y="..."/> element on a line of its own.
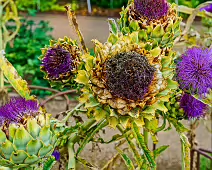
<point x="60" y="62"/>
<point x="125" y="80"/>
<point x="156" y="21"/>
<point x="25" y="134"/>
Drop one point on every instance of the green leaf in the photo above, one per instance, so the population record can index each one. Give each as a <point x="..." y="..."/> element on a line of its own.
<point x="160" y="106"/>
<point x="99" y="113"/>
<point x="15" y="80"/>
<point x="82" y="77"/>
<point x="112" y="39"/>
<point x="86" y="163"/>
<point x="158" y="31"/>
<point x="185" y="152"/>
<point x="92" y="102"/>
<point x="127" y="160"/>
<point x="159" y="150"/>
<point x="113" y="26"/>
<point x="172" y="84"/>
<point x="140" y="139"/>
<point x="134" y="26"/>
<point x="179" y="126"/>
<point x="49" y="163"/>
<point x="155" y="52"/>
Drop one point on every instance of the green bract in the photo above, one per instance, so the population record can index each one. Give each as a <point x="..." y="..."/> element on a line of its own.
<point x="22" y="145"/>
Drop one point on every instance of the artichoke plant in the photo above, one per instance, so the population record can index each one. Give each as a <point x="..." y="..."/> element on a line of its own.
<point x="156" y="21"/>
<point x="129" y="82"/>
<point x="25" y="134"/>
<point x="60" y="61"/>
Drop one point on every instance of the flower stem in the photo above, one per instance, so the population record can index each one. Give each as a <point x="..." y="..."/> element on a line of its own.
<point x="71" y="113"/>
<point x="1" y="47"/>
<point x="146" y="133"/>
<point x="72" y="20"/>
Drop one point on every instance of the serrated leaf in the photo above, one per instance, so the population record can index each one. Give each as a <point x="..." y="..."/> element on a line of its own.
<point x="134" y="26"/>
<point x="86" y="163"/>
<point x="92" y="102"/>
<point x="142" y="35"/>
<point x="140" y="139"/>
<point x="89" y="61"/>
<point x="113" y="122"/>
<point x="127" y="160"/>
<point x="82" y="77"/>
<point x="15" y="80"/>
<point x="159" y="150"/>
<point x="112" y="39"/>
<point x="113" y="26"/>
<point x="185" y="152"/>
<point x="99" y="113"/>
<point x="125" y="30"/>
<point x="160" y="106"/>
<point x="172" y="84"/>
<point x="155" y="52"/>
<point x="158" y="31"/>
<point x="134" y="37"/>
<point x="49" y="163"/>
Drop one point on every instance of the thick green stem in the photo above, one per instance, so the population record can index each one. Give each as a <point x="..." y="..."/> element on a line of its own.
<point x="85" y="128"/>
<point x="71" y="155"/>
<point x="146" y="133"/>
<point x="71" y="113"/>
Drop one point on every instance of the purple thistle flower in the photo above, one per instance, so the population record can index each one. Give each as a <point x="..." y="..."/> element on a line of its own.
<point x="152" y="9"/>
<point x="57" y="63"/>
<point x="207" y="8"/>
<point x="17" y="108"/>
<point x="192" y="107"/>
<point x="56" y="154"/>
<point x="194" y="71"/>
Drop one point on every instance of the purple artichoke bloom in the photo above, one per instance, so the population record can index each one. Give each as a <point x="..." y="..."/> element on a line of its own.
<point x="207" y="8"/>
<point x="129" y="75"/>
<point x="17" y="109"/>
<point x="192" y="107"/>
<point x="194" y="71"/>
<point x="57" y="63"/>
<point x="56" y="154"/>
<point x="152" y="9"/>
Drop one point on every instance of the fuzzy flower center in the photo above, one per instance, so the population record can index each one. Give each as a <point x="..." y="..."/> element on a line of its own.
<point x="152" y="9"/>
<point x="129" y="75"/>
<point x="192" y="107"/>
<point x="194" y="71"/>
<point x="18" y="109"/>
<point x="57" y="62"/>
